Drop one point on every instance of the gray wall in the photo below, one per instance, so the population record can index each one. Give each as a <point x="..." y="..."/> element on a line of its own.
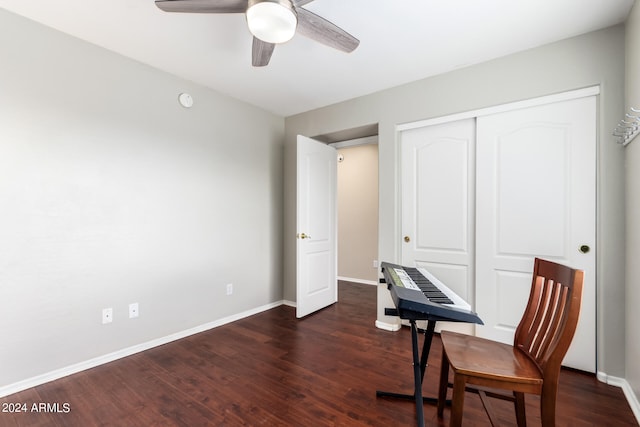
<point x="592" y="59"/>
<point x="633" y="205"/>
<point x="112" y="193"/>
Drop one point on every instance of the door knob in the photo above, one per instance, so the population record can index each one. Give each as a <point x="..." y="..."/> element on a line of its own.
<point x="584" y="249"/>
<point x="303" y="236"/>
<point x="407" y="239"/>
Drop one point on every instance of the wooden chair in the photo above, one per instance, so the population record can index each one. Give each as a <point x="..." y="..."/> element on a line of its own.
<point x="532" y="364"/>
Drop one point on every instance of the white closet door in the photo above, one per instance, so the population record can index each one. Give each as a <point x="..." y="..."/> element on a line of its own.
<point x="437" y="204"/>
<point x="536" y="189"/>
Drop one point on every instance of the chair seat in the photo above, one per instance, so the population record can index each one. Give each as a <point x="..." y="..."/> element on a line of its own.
<point x="488" y="362"/>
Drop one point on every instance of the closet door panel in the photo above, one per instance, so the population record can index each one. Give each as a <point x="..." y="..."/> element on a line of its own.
<point x="536" y="189"/>
<point x="437" y="202"/>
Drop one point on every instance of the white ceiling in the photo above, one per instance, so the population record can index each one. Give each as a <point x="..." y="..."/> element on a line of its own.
<point x="400" y="41"/>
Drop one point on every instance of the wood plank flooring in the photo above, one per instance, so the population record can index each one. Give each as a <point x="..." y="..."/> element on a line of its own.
<point x="274" y="370"/>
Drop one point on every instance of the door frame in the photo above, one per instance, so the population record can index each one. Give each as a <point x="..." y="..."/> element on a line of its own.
<point x="533" y="102"/>
<point x="348" y="143"/>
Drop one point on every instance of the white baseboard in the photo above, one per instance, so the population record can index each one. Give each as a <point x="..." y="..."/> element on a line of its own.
<point x="391" y="327"/>
<point x="629" y="394"/>
<point x="363" y="281"/>
<point x="100" y="360"/>
<point x="289" y="303"/>
<point x="632" y="398"/>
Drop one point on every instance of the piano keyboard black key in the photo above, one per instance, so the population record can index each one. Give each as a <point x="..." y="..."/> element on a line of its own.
<point x="430" y="290"/>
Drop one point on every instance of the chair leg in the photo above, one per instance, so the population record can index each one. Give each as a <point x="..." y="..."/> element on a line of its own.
<point x="444" y="382"/>
<point x="548" y="408"/>
<point x="457" y="400"/>
<point x="521" y="415"/>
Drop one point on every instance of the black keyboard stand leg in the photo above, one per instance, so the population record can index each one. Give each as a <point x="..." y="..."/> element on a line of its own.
<point x="419" y="369"/>
<point x="426" y="348"/>
<point x="418" y="374"/>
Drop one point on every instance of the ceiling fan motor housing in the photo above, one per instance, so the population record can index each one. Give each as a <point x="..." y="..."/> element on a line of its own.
<point x="272" y="21"/>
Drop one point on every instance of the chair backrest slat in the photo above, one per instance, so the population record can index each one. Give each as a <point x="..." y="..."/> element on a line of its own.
<point x="548" y="324"/>
<point x="541" y="322"/>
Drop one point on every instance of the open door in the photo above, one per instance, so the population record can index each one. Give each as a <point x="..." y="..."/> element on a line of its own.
<point x="316" y="248"/>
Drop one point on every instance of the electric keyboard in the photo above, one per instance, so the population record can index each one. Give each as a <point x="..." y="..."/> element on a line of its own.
<point x="419" y="295"/>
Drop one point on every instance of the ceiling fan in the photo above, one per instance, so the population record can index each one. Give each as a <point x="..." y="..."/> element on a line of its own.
<point x="271" y="22"/>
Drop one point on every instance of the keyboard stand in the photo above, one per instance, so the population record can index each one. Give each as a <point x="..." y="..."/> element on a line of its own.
<point x="419" y="368"/>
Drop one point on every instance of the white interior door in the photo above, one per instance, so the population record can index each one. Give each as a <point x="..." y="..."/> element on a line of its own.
<point x="316" y="251"/>
<point x="536" y="189"/>
<point x="438" y="204"/>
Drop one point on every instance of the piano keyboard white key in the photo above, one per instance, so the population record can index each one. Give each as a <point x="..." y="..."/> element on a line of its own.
<point x="457" y="301"/>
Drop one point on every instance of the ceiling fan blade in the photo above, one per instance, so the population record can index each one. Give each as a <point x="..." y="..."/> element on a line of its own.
<point x="261" y="52"/>
<point x="203" y="6"/>
<point x="299" y="3"/>
<point x="325" y="32"/>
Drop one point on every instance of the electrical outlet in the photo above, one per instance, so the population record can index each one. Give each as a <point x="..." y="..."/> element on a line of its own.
<point x="107" y="315"/>
<point x="375" y="263"/>
<point x="133" y="310"/>
<point x="229" y="288"/>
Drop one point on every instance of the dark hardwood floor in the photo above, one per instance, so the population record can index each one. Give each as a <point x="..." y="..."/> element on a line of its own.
<point x="274" y="370"/>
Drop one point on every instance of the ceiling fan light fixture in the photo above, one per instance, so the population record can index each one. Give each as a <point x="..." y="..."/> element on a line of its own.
<point x="272" y="21"/>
